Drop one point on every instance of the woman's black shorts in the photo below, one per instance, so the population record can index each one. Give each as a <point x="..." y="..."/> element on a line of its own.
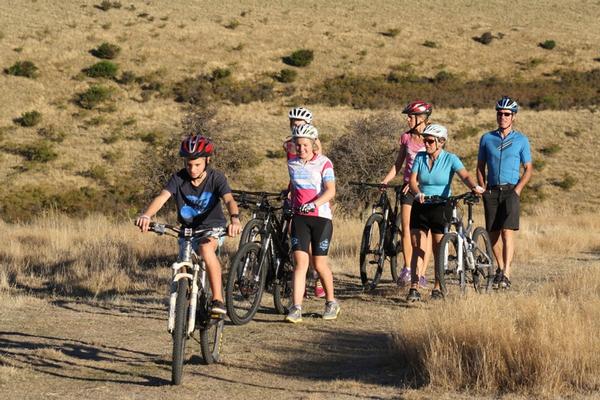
<point x="426" y="216"/>
<point x="312" y="231"/>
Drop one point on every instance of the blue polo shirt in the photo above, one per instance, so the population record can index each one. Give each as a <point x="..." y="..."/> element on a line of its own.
<point x="437" y="180"/>
<point x="504" y="156"/>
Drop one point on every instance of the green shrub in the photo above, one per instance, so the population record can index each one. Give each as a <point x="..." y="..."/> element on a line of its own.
<point x="152" y="137"/>
<point x="485" y="38"/>
<point x="127" y="78"/>
<point x="430" y="44"/>
<point x="286" y="75"/>
<point x="29" y="118"/>
<point x="392" y="32"/>
<point x="41" y="151"/>
<point x="299" y="58"/>
<point x="23" y="68"/>
<point x="364" y="154"/>
<point x="106" y="51"/>
<point x="106" y="5"/>
<point x="232" y="24"/>
<point x="566" y="183"/>
<point x="113" y="137"/>
<point x="279" y="153"/>
<point x="52" y="134"/>
<point x="94" y="96"/>
<point x="539" y="164"/>
<point x="221" y="73"/>
<point x="548" y="44"/>
<point x="573" y="134"/>
<point x="102" y="69"/>
<point x="551" y="149"/>
<point x="98" y="173"/>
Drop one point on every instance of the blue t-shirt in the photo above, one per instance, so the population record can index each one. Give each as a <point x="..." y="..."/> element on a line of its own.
<point x="504" y="156"/>
<point x="437" y="181"/>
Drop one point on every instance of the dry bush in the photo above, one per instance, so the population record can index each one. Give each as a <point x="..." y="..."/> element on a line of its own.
<point x="364" y="154"/>
<point x="542" y="343"/>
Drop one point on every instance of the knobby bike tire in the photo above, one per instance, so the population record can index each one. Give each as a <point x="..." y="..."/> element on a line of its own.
<point x="245" y="283"/>
<point x="484" y="259"/>
<point x="180" y="331"/>
<point x="283" y="288"/>
<point x="211" y="329"/>
<point x="446" y="261"/>
<point x="372" y="255"/>
<point x="251" y="232"/>
<point x="395" y="247"/>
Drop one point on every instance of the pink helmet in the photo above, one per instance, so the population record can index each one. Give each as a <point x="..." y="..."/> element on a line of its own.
<point x="418" y="107"/>
<point x="195" y="147"/>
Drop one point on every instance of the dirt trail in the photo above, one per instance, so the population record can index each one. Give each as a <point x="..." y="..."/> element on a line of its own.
<point x="72" y="349"/>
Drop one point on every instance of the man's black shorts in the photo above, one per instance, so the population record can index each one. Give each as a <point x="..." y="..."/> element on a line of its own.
<point x="314" y="231"/>
<point x="502" y="208"/>
<point x="432" y="217"/>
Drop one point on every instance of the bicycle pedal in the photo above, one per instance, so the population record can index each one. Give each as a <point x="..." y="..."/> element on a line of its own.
<point x="216" y="316"/>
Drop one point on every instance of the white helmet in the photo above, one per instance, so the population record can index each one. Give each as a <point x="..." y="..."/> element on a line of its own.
<point x="301" y="113"/>
<point x="305" y="131"/>
<point x="436" y="130"/>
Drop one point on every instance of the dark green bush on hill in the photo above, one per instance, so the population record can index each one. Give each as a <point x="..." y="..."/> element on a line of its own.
<point x="106" y="51"/>
<point x="23" y="68"/>
<point x="548" y="44"/>
<point x="29" y="118"/>
<point x="102" y="69"/>
<point x="299" y="58"/>
<point x="94" y="96"/>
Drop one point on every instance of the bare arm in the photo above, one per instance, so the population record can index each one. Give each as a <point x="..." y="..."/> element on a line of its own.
<point x="414" y="187"/>
<point x="327" y="195"/>
<point x="235" y="226"/>
<point x="397" y="165"/>
<point x="469" y="182"/>
<point x="527" y="172"/>
<point x="481" y="173"/>
<point x="155" y="205"/>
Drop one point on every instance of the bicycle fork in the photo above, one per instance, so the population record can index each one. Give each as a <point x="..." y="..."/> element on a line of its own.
<point x="178" y="275"/>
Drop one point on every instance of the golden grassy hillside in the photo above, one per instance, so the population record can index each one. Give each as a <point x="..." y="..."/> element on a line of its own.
<point x="166" y="42"/>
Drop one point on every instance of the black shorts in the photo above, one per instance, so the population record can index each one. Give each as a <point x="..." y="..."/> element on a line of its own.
<point x="502" y="207"/>
<point x="407" y="198"/>
<point x="434" y="217"/>
<point x="315" y="231"/>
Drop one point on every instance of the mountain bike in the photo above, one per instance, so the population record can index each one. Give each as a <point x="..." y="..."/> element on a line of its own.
<point x="465" y="256"/>
<point x="381" y="238"/>
<point x="260" y="265"/>
<point x="190" y="298"/>
<point x="246" y="199"/>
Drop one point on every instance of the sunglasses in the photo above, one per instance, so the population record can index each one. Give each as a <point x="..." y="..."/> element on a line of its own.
<point x="429" y="141"/>
<point x="501" y="114"/>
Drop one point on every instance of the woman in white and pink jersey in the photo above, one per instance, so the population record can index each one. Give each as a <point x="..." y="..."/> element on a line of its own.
<point x="312" y="185"/>
<point x="417" y="116"/>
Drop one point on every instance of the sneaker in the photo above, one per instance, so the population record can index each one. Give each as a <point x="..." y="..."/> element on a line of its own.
<point x="423" y="282"/>
<point x="218" y="307"/>
<point x="505" y="284"/>
<point x="413" y="295"/>
<point x="404" y="278"/>
<point x="332" y="309"/>
<point x="437" y="294"/>
<point x="294" y="315"/>
<point x="319" y="291"/>
<point x="497" y="278"/>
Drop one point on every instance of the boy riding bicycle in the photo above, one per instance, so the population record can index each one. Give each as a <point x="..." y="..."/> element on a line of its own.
<point x="197" y="190"/>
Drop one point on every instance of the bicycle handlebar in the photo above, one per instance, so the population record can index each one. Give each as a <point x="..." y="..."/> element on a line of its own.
<point x="161" y="229"/>
<point x="377" y="185"/>
<point x="467" y="197"/>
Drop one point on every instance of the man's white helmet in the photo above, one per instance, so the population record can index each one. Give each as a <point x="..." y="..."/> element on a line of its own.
<point x="301" y="113"/>
<point x="305" y="131"/>
<point x="437" y="131"/>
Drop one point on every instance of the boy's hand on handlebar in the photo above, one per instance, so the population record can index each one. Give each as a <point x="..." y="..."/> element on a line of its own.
<point x="143" y="222"/>
<point x="234" y="228"/>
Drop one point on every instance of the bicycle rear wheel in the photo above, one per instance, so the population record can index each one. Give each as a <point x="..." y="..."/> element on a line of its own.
<point x="180" y="331"/>
<point x="245" y="283"/>
<point x="446" y="263"/>
<point x="251" y="232"/>
<point x="483" y="275"/>
<point x="372" y="254"/>
<point x="283" y="288"/>
<point x="394" y="247"/>
<point x="211" y="329"/>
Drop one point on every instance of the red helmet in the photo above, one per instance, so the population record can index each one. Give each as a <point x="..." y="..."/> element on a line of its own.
<point x="195" y="147"/>
<point x="418" y="107"/>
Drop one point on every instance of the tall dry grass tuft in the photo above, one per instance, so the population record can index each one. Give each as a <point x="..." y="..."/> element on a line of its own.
<point x="543" y="343"/>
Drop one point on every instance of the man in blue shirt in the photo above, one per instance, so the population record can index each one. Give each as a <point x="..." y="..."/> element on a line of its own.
<point x="502" y="152"/>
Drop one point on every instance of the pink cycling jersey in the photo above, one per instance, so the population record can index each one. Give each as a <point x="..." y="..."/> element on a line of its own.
<point x="308" y="180"/>
<point x="412" y="148"/>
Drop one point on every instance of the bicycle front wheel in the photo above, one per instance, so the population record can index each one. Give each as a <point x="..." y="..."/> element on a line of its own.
<point x="211" y="329"/>
<point x="251" y="231"/>
<point x="245" y="283"/>
<point x="483" y="275"/>
<point x="446" y="263"/>
<point x="372" y="254"/>
<point x="180" y="331"/>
